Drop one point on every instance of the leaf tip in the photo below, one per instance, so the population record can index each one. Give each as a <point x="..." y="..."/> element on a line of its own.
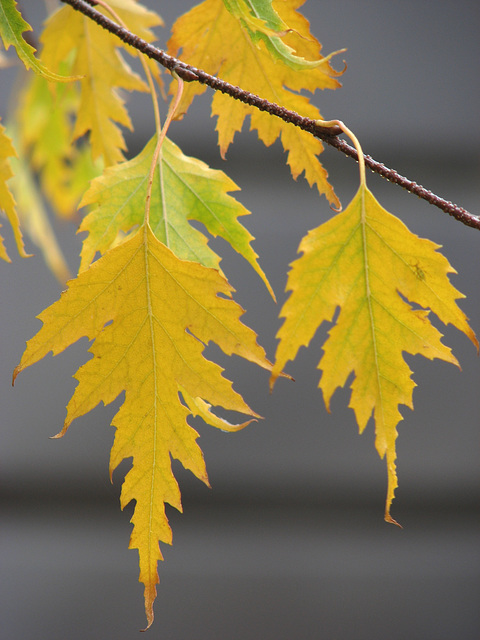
<point x="150" y="619"/>
<point x="270" y="289"/>
<point x="275" y="375"/>
<point x="471" y="334"/>
<point x="273" y="379"/>
<point x="16" y="371"/>
<point x="61" y="433"/>
<point x="389" y="519"/>
<point x="150" y="595"/>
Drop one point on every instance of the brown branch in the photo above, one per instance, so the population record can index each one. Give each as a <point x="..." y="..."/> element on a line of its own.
<point x="329" y="136"/>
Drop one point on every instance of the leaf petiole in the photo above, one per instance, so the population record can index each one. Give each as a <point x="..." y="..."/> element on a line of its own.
<point x="327" y="124"/>
<point x="143" y="62"/>
<point x="161" y="137"/>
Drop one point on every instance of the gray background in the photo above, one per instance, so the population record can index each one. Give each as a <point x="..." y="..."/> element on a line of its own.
<point x="290" y="542"/>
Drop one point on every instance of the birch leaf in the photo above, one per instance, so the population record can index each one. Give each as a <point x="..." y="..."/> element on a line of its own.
<point x="44" y="137"/>
<point x="366" y="263"/>
<point x="95" y="55"/>
<point x="12" y="26"/>
<point x="184" y="189"/>
<point x="7" y="202"/>
<point x="34" y="218"/>
<point x="263" y="23"/>
<point x="149" y="315"/>
<point x="212" y="38"/>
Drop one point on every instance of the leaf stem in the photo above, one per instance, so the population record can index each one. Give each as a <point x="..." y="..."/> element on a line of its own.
<point x="327" y="135"/>
<point x="156" y="154"/>
<point x="361" y="158"/>
<point x="143" y="62"/>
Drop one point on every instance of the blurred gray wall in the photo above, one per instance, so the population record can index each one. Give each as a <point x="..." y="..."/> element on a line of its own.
<point x="290" y="542"/>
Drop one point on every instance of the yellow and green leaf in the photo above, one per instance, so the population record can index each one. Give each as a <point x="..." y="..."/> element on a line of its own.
<point x="212" y="38"/>
<point x="150" y="315"/>
<point x="184" y="189"/>
<point x="34" y="218"/>
<point x="262" y="22"/>
<point x="7" y="202"/>
<point x="366" y="263"/>
<point x="44" y="134"/>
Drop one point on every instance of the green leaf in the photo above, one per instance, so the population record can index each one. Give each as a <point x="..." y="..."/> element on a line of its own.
<point x="12" y="25"/>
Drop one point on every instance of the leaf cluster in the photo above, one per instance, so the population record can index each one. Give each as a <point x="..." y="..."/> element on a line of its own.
<point x="150" y="293"/>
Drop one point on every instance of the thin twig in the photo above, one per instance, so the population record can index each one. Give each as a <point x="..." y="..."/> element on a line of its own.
<point x="327" y="135"/>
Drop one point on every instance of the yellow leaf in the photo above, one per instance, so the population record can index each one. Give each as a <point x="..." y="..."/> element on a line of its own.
<point x="95" y="56"/>
<point x="369" y="264"/>
<point x="7" y="203"/>
<point x="149" y="315"/>
<point x="211" y="38"/>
